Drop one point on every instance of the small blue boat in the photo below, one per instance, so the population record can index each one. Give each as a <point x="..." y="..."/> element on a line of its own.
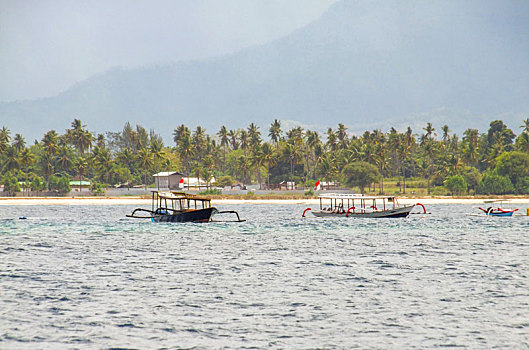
<point x="495" y="208"/>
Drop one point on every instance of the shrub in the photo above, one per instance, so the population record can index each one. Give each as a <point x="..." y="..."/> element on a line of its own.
<point x="210" y="191"/>
<point x="456" y="184"/>
<point x="438" y="191"/>
<point x="522" y="185"/>
<point x="224" y="181"/>
<point x="59" y="184"/>
<point x="515" y="166"/>
<point x="97" y="189"/>
<point x="11" y="185"/>
<point x="38" y="183"/>
<point x="472" y="177"/>
<point x="495" y="184"/>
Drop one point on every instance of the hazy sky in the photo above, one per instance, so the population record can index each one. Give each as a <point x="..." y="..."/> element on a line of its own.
<point x="48" y="45"/>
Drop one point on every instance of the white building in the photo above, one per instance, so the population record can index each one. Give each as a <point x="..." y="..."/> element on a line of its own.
<point x="168" y="180"/>
<point x="193" y="183"/>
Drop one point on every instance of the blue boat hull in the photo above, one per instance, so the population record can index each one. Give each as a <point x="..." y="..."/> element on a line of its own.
<point x="509" y="213"/>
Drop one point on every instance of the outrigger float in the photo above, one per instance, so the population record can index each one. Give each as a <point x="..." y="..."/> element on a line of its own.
<point x="498" y="210"/>
<point x="359" y="206"/>
<point x="180" y="207"/>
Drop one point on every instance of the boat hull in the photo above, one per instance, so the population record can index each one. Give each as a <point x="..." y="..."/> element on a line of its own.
<point x="199" y="215"/>
<point x="508" y="213"/>
<point x="390" y="213"/>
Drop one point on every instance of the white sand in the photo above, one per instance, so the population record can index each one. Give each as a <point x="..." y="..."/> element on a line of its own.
<point x="143" y="202"/>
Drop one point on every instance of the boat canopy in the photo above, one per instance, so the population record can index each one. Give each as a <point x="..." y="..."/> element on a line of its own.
<point x="178" y="200"/>
<point x="496" y="200"/>
<point x="180" y="195"/>
<point x="344" y="201"/>
<point x="352" y="196"/>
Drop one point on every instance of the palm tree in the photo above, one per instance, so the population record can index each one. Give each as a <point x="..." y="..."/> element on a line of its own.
<point x="254" y="135"/>
<point x="102" y="161"/>
<point x="81" y="165"/>
<point x="233" y="135"/>
<point x="185" y="151"/>
<point x="295" y="136"/>
<point x="256" y="161"/>
<point x="19" y="143"/>
<point x="292" y="153"/>
<point x="181" y="133"/>
<point x="100" y="141"/>
<point x="11" y="160"/>
<point x="46" y="163"/>
<point x="269" y="158"/>
<point x="85" y="141"/>
<point x="224" y="140"/>
<point x="446" y="135"/>
<point x="65" y="158"/>
<point x="332" y="140"/>
<point x="430" y="150"/>
<point x="470" y="147"/>
<point x="126" y="157"/>
<point x="430" y="131"/>
<point x="78" y="136"/>
<point x="27" y="158"/>
<point x="157" y="152"/>
<point x="199" y="144"/>
<point x="244" y="165"/>
<point x="319" y="154"/>
<point x="275" y="132"/>
<point x="328" y="169"/>
<point x="49" y="142"/>
<point x="145" y="162"/>
<point x="5" y="138"/>
<point x="525" y="126"/>
<point x="244" y="141"/>
<point x="312" y="139"/>
<point x="522" y="142"/>
<point x="341" y="134"/>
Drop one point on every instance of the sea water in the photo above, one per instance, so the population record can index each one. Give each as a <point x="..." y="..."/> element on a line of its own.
<point x="85" y="277"/>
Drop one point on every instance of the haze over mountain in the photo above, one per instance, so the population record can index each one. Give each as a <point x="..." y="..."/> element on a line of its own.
<point x="367" y="64"/>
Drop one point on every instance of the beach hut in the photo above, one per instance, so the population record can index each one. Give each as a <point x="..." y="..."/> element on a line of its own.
<point x="168" y="180"/>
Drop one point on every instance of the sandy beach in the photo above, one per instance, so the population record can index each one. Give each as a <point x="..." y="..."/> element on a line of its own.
<point x="143" y="201"/>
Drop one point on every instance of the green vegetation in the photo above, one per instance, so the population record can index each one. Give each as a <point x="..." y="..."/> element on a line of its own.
<point x="393" y="162"/>
<point x="211" y="192"/>
<point x="456" y="184"/>
<point x="360" y="174"/>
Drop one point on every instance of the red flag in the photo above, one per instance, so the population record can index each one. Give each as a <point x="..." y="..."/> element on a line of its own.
<point x="317" y="183"/>
<point x="182" y="180"/>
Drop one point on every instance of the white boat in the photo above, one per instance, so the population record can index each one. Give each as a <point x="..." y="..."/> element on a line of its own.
<point x="359" y="206"/>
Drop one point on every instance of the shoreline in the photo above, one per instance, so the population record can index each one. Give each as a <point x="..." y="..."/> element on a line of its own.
<point x="5" y="201"/>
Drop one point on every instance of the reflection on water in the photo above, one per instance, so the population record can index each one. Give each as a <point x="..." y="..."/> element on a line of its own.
<point x="87" y="277"/>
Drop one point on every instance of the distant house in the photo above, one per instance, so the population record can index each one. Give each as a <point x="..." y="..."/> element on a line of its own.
<point x="193" y="183"/>
<point x="80" y="185"/>
<point x="168" y="180"/>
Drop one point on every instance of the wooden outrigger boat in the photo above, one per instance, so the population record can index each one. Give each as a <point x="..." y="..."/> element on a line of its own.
<point x="498" y="210"/>
<point x="358" y="206"/>
<point x="180" y="207"/>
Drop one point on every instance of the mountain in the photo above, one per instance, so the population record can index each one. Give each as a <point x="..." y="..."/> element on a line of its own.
<point x="365" y="63"/>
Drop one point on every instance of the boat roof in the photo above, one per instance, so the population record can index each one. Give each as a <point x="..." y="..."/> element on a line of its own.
<point x="181" y="195"/>
<point x="496" y="200"/>
<point x="168" y="173"/>
<point x="351" y="196"/>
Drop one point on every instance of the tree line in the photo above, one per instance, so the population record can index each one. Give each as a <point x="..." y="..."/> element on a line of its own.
<point x="494" y="162"/>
